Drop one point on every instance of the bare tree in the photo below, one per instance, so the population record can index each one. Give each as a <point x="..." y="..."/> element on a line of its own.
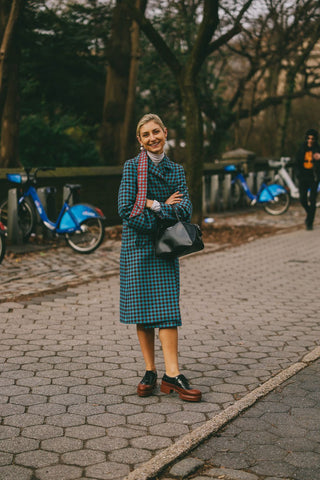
<point x="186" y="71"/>
<point x="123" y="55"/>
<point x="275" y="52"/>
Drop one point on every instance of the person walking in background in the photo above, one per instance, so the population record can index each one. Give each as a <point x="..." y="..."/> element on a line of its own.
<point x="308" y="173"/>
<point x="152" y="186"/>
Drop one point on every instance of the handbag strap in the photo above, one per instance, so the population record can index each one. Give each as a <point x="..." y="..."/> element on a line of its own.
<point x="175" y="211"/>
<point x="142" y="184"/>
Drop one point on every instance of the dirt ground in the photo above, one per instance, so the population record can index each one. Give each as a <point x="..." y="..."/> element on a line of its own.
<point x="235" y="228"/>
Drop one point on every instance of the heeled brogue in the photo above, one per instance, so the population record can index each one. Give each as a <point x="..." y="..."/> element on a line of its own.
<point x="147" y="384"/>
<point x="180" y="385"/>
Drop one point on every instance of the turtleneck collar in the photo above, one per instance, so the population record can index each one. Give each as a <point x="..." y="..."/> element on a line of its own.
<point x="156" y="157"/>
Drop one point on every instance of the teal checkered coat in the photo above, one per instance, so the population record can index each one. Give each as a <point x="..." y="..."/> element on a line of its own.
<point x="149" y="286"/>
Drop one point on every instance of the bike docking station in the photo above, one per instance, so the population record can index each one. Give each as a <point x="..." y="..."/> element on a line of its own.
<point x="47" y="196"/>
<point x="30" y="210"/>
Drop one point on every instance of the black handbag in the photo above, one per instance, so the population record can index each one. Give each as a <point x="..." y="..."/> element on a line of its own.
<point x="178" y="239"/>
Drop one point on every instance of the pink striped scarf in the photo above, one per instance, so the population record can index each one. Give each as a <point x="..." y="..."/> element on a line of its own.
<point x="142" y="185"/>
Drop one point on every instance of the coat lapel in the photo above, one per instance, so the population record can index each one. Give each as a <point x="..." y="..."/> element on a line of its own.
<point x="160" y="170"/>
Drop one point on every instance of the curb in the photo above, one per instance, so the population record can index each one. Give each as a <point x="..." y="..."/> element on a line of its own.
<point x="150" y="469"/>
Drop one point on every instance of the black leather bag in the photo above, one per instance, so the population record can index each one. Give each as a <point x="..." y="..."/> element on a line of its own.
<point x="178" y="239"/>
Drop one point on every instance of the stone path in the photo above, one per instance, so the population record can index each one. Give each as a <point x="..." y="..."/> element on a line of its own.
<point x="69" y="371"/>
<point x="276" y="439"/>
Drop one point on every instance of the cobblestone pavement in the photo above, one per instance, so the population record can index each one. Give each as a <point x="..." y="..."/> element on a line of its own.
<point x="277" y="439"/>
<point x="69" y="371"/>
<point x="47" y="270"/>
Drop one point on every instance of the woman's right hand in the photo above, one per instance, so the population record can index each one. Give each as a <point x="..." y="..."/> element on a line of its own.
<point x="176" y="197"/>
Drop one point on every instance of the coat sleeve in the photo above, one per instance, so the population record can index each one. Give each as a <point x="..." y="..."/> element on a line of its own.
<point x="184" y="208"/>
<point x="146" y="221"/>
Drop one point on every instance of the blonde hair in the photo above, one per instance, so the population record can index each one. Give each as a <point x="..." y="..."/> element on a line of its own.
<point x="148" y="118"/>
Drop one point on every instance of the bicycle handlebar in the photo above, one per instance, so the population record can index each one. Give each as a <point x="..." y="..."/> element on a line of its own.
<point x="279" y="163"/>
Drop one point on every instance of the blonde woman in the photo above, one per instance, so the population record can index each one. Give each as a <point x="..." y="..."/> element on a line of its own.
<point x="149" y="286"/>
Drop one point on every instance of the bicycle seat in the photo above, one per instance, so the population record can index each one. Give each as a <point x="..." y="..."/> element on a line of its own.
<point x="17" y="178"/>
<point x="72" y="186"/>
<point x="230" y="168"/>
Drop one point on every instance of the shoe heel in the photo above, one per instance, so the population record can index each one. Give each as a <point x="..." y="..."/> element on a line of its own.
<point x="165" y="388"/>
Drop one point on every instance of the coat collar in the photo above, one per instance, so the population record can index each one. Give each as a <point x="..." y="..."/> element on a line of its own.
<point x="160" y="170"/>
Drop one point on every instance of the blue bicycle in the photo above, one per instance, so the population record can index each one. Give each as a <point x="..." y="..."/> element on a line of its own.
<point x="81" y="224"/>
<point x="273" y="197"/>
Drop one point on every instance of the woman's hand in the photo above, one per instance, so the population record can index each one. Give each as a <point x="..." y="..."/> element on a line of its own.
<point x="316" y="156"/>
<point x="176" y="197"/>
<point x="149" y="203"/>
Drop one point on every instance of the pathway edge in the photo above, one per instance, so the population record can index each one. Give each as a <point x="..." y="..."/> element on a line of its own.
<point x="150" y="469"/>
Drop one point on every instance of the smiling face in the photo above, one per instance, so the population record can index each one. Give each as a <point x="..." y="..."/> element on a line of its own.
<point x="152" y="137"/>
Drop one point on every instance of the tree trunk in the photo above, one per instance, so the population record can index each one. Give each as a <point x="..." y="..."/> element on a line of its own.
<point x="8" y="24"/>
<point x="11" y="114"/>
<point x="126" y="149"/>
<point x="9" y="83"/>
<point x="194" y="142"/>
<point x="116" y="92"/>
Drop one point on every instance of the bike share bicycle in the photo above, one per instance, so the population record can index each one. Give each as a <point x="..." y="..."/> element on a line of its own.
<point x="81" y="224"/>
<point x="273" y="197"/>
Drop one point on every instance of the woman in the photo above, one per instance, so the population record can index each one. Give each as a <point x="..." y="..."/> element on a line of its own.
<point x="308" y="173"/>
<point x="151" y="187"/>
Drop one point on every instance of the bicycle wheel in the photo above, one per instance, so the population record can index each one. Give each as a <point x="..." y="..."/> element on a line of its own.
<point x="2" y="247"/>
<point x="90" y="237"/>
<point x="235" y="194"/>
<point x="278" y="205"/>
<point x="26" y="217"/>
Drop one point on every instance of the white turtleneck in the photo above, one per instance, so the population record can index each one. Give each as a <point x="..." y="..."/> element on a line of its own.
<point x="156" y="159"/>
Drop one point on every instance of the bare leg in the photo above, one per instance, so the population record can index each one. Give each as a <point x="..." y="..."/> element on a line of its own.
<point x="146" y="339"/>
<point x="169" y="342"/>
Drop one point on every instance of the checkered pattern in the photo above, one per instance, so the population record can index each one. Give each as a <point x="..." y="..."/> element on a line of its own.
<point x="142" y="184"/>
<point x="149" y="286"/>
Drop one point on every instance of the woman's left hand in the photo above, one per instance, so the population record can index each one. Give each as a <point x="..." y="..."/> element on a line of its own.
<point x="316" y="156"/>
<point x="176" y="197"/>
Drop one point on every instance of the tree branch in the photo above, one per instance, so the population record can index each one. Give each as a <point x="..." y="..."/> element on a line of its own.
<point x="223" y="39"/>
<point x="154" y="37"/>
<point x="207" y="28"/>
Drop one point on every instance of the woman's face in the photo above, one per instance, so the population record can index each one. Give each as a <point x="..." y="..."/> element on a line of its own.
<point x="310" y="140"/>
<point x="152" y="137"/>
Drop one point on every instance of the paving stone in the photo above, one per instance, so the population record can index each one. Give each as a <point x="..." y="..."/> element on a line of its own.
<point x="36" y="459"/>
<point x="42" y="432"/>
<point x="85" y="432"/>
<point x="83" y="458"/>
<point x="130" y="455"/>
<point x="61" y="444"/>
<point x="13" y="472"/>
<point x="8" y="432"/>
<point x="58" y="472"/>
<point x="186" y="467"/>
<point x="18" y="445"/>
<point x="107" y="443"/>
<point x="107" y="471"/>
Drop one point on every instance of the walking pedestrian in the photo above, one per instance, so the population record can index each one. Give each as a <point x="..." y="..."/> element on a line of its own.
<point x="152" y="187"/>
<point x="308" y="173"/>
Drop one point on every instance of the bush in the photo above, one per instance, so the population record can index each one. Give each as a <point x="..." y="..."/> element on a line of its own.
<point x="60" y="143"/>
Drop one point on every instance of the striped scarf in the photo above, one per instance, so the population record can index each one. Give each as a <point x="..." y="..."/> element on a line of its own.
<point x="142" y="185"/>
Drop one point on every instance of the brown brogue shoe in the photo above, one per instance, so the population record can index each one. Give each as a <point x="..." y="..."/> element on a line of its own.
<point x="147" y="384"/>
<point x="180" y="385"/>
